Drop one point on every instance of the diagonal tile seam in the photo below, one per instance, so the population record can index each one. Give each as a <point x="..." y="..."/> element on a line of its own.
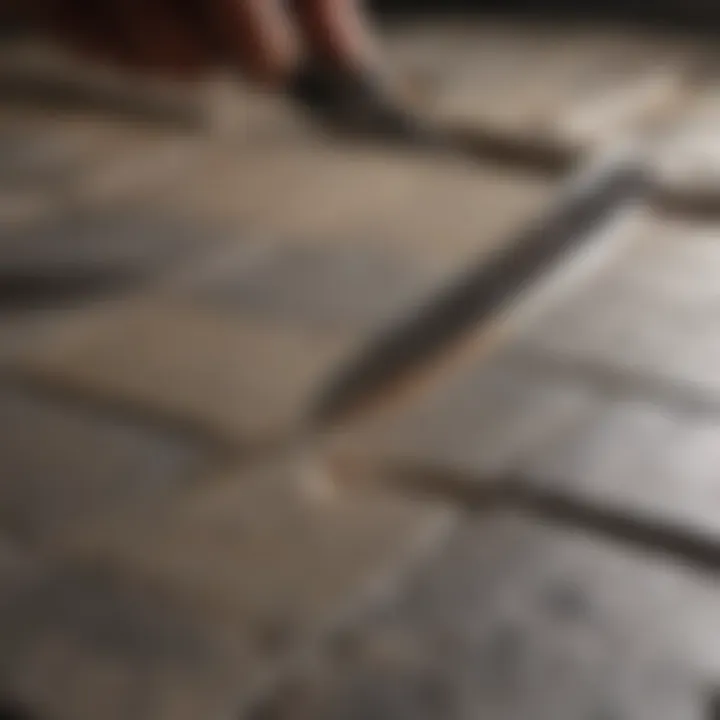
<point x="220" y="453"/>
<point x="604" y="192"/>
<point x="516" y="493"/>
<point x="101" y="404"/>
<point x="227" y="446"/>
<point x="591" y="200"/>
<point x="379" y="590"/>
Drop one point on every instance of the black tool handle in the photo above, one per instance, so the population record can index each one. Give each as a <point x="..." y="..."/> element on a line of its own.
<point x="353" y="102"/>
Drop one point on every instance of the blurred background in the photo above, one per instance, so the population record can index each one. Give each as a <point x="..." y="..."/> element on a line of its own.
<point x="669" y="10"/>
<point x="528" y="529"/>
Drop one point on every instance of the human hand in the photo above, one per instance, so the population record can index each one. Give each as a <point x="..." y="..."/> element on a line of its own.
<point x="264" y="38"/>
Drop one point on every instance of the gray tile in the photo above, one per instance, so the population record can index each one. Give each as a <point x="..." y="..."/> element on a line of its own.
<point x="640" y="460"/>
<point x="31" y="158"/>
<point x="649" y="316"/>
<point x="79" y="642"/>
<point x="63" y="466"/>
<point x="355" y="286"/>
<point x="478" y="423"/>
<point x="81" y="255"/>
<point x="124" y="237"/>
<point x="192" y="610"/>
<point x="513" y="620"/>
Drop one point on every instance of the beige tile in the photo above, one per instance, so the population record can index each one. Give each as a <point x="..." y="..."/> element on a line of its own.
<point x="569" y="84"/>
<point x="249" y="380"/>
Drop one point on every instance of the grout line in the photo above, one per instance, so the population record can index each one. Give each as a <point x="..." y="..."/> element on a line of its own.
<point x="101" y="405"/>
<point x="640" y="531"/>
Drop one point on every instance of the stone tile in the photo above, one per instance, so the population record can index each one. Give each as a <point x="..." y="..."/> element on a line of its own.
<point x="333" y="287"/>
<point x="313" y="189"/>
<point x="238" y="186"/>
<point x="37" y="161"/>
<point x="51" y="160"/>
<point x="569" y="83"/>
<point x="42" y="155"/>
<point x="475" y="425"/>
<point x="120" y="243"/>
<point x="237" y="375"/>
<point x="79" y="642"/>
<point x="645" y="321"/>
<point x="136" y="165"/>
<point x="63" y="464"/>
<point x="291" y="189"/>
<point x="17" y="332"/>
<point x="513" y="619"/>
<point x="455" y="211"/>
<point x="381" y="267"/>
<point x="688" y="164"/>
<point x="22" y="208"/>
<point x="56" y="159"/>
<point x="408" y="199"/>
<point x="639" y="460"/>
<point x="212" y="598"/>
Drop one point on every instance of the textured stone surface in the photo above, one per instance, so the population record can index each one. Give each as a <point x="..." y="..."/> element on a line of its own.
<point x="688" y="165"/>
<point x="246" y="379"/>
<point x="512" y="619"/>
<point x="335" y="191"/>
<point x="36" y="164"/>
<point x="45" y="156"/>
<point x="476" y="424"/>
<point x="202" y="604"/>
<point x="138" y="164"/>
<point x="53" y="160"/>
<point x="125" y="239"/>
<point x="325" y="189"/>
<point x="343" y="287"/>
<point x="641" y="460"/>
<point x="79" y="642"/>
<point x="65" y="465"/>
<point x="543" y="82"/>
<point x="646" y="322"/>
<point x="384" y="265"/>
<point x="19" y="330"/>
<point x="456" y="210"/>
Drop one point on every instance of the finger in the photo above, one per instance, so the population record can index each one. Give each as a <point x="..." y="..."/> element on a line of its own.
<point x="258" y="36"/>
<point x="337" y="31"/>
